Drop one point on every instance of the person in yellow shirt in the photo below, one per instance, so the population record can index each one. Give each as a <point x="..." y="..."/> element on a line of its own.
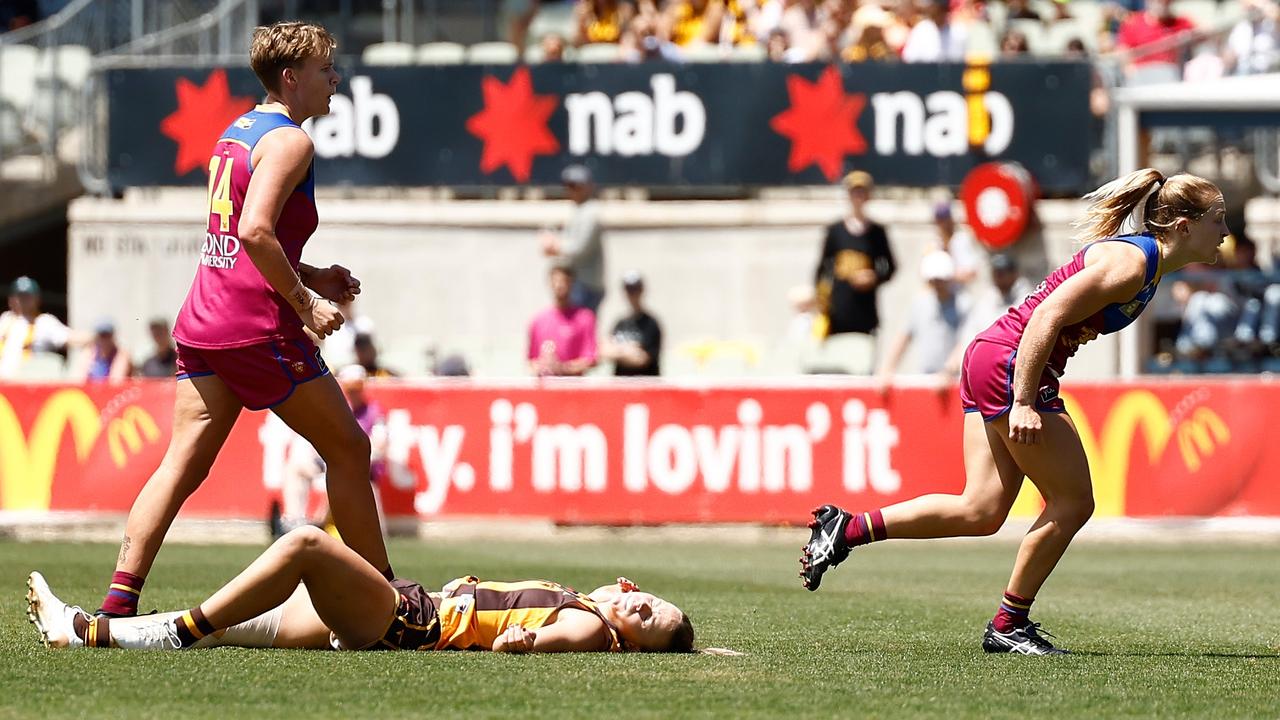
<point x="309" y="591"/>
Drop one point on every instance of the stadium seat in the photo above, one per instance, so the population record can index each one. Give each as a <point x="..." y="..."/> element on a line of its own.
<point x="1154" y="74"/>
<point x="441" y="53"/>
<point x="703" y="53"/>
<point x="553" y="17"/>
<point x="1057" y="35"/>
<point x="599" y="53"/>
<point x="73" y="63"/>
<point x="755" y="52"/>
<point x="388" y="53"/>
<point x="43" y="366"/>
<point x="1202" y="13"/>
<point x="492" y="53"/>
<point x="17" y="82"/>
<point x="982" y="41"/>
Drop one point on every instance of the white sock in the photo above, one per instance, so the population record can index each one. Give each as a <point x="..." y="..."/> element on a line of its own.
<point x="260" y="632"/>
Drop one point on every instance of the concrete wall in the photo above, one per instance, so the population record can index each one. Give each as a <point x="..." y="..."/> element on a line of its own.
<point x="466" y="276"/>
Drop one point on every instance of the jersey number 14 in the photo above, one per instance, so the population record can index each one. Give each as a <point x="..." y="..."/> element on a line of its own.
<point x="220" y="190"/>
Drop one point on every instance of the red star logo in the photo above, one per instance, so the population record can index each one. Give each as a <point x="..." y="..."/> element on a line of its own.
<point x="203" y="113"/>
<point x="822" y="123"/>
<point x="513" y="125"/>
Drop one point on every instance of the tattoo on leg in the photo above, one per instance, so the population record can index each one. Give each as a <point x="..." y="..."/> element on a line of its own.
<point x="124" y="550"/>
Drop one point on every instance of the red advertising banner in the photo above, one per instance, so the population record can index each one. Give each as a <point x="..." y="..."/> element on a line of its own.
<point x="621" y="453"/>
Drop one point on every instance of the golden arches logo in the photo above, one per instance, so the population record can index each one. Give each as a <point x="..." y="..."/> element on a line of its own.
<point x="27" y="463"/>
<point x="1134" y="412"/>
<point x="1200" y="435"/>
<point x="128" y="432"/>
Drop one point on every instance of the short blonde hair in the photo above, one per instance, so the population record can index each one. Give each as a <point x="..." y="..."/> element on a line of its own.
<point x="286" y="44"/>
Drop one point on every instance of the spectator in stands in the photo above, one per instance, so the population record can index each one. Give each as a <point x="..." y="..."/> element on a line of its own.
<point x="452" y="365"/>
<point x="869" y="46"/>
<point x="642" y="43"/>
<point x="934" y="325"/>
<point x="1253" y="46"/>
<point x="521" y="14"/>
<point x="552" y="45"/>
<point x="366" y="352"/>
<point x="956" y="242"/>
<point x="905" y="16"/>
<point x="777" y="49"/>
<point x="580" y="244"/>
<point x="163" y="361"/>
<point x="1209" y="312"/>
<point x="103" y="359"/>
<point x="802" y="22"/>
<point x="562" y="338"/>
<point x="339" y="347"/>
<point x="1008" y="288"/>
<point x="855" y="262"/>
<point x="1252" y="290"/>
<point x="601" y="21"/>
<point x="1156" y="23"/>
<point x="692" y="22"/>
<point x="1019" y="10"/>
<point x="935" y="38"/>
<point x="1013" y="45"/>
<point x="25" y="331"/>
<point x="635" y="346"/>
<point x="1206" y="65"/>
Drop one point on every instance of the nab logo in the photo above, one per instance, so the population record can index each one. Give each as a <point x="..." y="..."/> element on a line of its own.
<point x="366" y="124"/>
<point x="633" y="123"/>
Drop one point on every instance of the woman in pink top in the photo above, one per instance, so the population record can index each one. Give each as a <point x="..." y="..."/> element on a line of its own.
<point x="1016" y="425"/>
<point x="240" y="333"/>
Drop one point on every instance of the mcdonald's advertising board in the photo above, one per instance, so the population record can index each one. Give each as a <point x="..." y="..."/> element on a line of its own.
<point x="618" y="453"/>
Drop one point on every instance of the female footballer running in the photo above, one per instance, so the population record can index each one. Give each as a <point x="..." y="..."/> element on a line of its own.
<point x="240" y="333"/>
<point x="1016" y="425"/>
<point x="309" y="590"/>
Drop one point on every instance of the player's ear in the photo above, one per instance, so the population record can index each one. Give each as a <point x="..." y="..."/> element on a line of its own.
<point x="288" y="77"/>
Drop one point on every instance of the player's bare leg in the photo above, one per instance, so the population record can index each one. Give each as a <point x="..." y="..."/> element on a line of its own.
<point x="991" y="486"/>
<point x="1058" y="467"/>
<point x="992" y="481"/>
<point x="318" y="411"/>
<point x="204" y="411"/>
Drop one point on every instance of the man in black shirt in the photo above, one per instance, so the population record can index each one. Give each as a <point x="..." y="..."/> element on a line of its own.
<point x="856" y="260"/>
<point x="636" y="342"/>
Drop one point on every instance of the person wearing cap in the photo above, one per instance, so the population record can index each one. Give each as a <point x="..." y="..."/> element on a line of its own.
<point x="163" y="361"/>
<point x="103" y="359"/>
<point x="935" y="322"/>
<point x="635" y="345"/>
<point x="366" y="356"/>
<point x="24" y="330"/>
<point x="956" y="242"/>
<point x="580" y="244"/>
<point x="855" y="262"/>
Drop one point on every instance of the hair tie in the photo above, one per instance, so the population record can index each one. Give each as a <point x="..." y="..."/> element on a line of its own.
<point x="1138" y="217"/>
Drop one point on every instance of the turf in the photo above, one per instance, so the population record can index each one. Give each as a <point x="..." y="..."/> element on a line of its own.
<point x="1159" y="630"/>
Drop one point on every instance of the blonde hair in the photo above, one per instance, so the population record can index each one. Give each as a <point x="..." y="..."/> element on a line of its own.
<point x="1145" y="201"/>
<point x="286" y="44"/>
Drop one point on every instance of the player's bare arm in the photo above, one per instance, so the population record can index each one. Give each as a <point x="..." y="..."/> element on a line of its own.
<point x="1114" y="272"/>
<point x="280" y="163"/>
<point x="573" y="631"/>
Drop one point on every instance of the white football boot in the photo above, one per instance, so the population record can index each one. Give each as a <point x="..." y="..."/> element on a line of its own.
<point x="53" y="619"/>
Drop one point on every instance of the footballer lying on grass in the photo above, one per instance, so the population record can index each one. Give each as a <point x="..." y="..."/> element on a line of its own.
<point x="308" y="590"/>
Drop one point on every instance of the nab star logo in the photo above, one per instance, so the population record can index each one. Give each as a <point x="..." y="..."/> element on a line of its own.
<point x="513" y="125"/>
<point x="822" y="123"/>
<point x="204" y="111"/>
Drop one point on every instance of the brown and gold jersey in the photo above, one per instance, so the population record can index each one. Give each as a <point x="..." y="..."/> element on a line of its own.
<point x="473" y="613"/>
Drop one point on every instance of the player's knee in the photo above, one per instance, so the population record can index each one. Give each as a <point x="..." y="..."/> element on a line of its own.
<point x="984" y="517"/>
<point x="302" y="540"/>
<point x="351" y="449"/>
<point x="1075" y="512"/>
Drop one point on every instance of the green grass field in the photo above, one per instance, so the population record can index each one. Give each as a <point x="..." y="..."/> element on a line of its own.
<point x="1159" y="630"/>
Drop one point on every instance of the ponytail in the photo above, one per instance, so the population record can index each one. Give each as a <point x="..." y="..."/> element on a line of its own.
<point x="1124" y="199"/>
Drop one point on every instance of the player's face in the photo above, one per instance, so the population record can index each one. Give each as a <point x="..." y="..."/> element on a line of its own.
<point x="1206" y="233"/>
<point x="317" y="82"/>
<point x="644" y="620"/>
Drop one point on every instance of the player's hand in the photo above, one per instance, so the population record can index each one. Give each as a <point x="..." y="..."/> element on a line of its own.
<point x="514" y="639"/>
<point x="1024" y="424"/>
<point x="321" y="318"/>
<point x="864" y="279"/>
<point x="334" y="283"/>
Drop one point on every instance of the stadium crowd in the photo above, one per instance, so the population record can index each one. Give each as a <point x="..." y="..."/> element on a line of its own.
<point x="1147" y="33"/>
